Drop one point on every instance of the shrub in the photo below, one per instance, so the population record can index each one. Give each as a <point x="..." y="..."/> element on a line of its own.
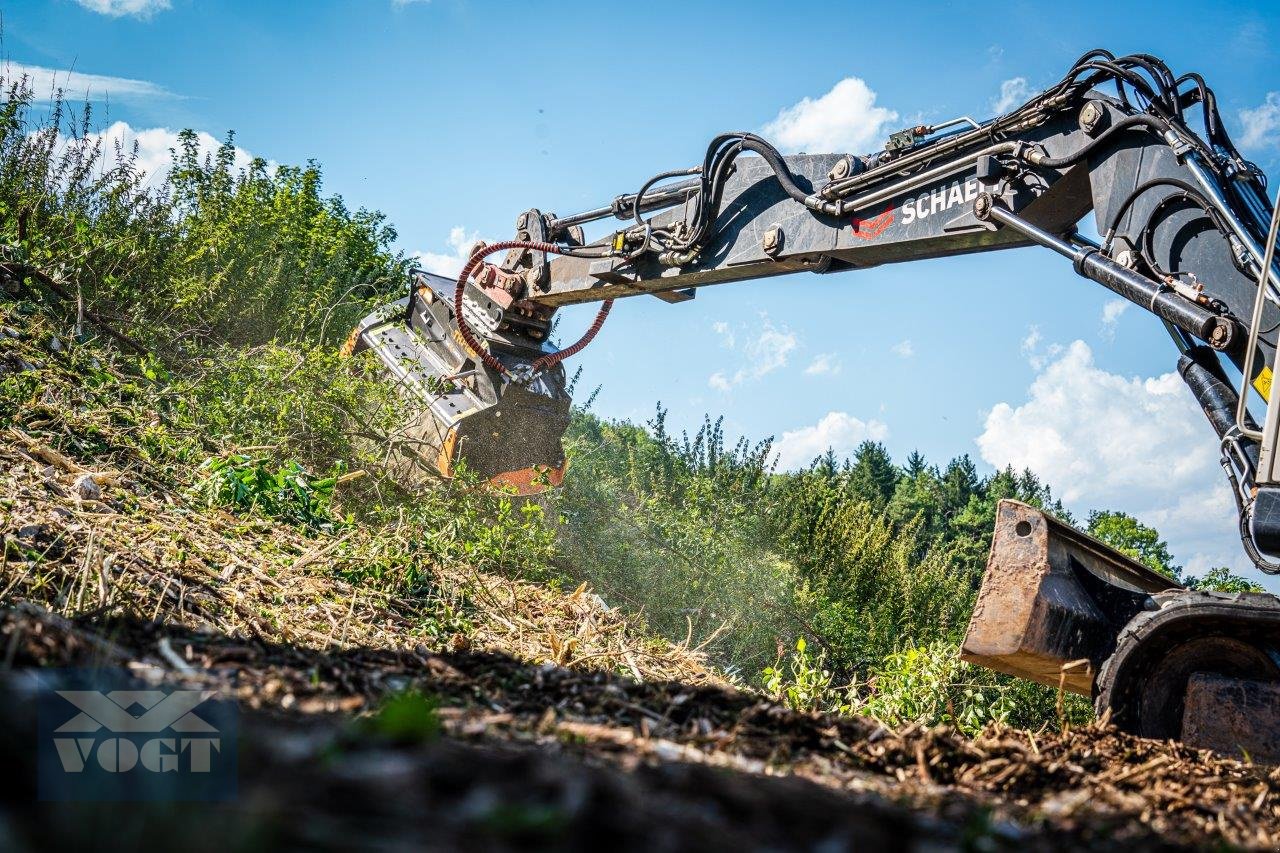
<point x="286" y="492"/>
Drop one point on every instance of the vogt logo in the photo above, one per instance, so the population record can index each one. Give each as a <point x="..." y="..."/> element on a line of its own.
<point x="104" y="737"/>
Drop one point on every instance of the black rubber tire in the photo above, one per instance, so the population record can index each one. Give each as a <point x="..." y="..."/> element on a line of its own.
<point x="1143" y="684"/>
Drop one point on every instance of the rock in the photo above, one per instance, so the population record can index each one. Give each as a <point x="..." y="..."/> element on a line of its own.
<point x="86" y="488"/>
<point x="31" y="532"/>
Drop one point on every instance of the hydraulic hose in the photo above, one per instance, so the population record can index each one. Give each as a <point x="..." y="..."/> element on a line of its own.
<point x="1106" y="136"/>
<point x="468" y="335"/>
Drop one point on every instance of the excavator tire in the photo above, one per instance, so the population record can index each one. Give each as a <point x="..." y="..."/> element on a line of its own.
<point x="1203" y="667"/>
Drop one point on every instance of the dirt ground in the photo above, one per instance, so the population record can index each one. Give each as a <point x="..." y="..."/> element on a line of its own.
<point x="543" y="757"/>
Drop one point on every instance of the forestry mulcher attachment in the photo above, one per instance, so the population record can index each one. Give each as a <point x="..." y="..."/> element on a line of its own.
<point x="1187" y="233"/>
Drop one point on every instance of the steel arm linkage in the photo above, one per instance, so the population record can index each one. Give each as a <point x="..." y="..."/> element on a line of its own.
<point x="1183" y="221"/>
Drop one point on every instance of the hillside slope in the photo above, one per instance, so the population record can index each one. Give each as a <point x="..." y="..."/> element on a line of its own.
<point x="544" y="718"/>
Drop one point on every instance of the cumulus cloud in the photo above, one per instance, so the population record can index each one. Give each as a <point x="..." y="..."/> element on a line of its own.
<point x="152" y="148"/>
<point x="904" y="349"/>
<point x="766" y="350"/>
<point x="1134" y="444"/>
<point x="1111" y="313"/>
<point x="838" y="431"/>
<point x="449" y="263"/>
<point x="1261" y="123"/>
<point x="844" y="119"/>
<point x="46" y="82"/>
<point x="824" y="364"/>
<point x="121" y="8"/>
<point x="1013" y="92"/>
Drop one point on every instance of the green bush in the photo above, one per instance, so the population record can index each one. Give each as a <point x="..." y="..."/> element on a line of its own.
<point x="668" y="530"/>
<point x="802" y="681"/>
<point x="213" y="304"/>
<point x="876" y="567"/>
<point x="285" y="492"/>
<point x="930" y="684"/>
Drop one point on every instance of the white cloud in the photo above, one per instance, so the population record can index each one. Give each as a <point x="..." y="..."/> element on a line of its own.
<point x="1111" y="313"/>
<point x="844" y="119"/>
<point x="120" y="8"/>
<point x="400" y="4"/>
<point x="1261" y="123"/>
<point x="1104" y="441"/>
<point x="449" y="263"/>
<point x="45" y="82"/>
<point x="1013" y="92"/>
<point x="723" y="330"/>
<point x="1031" y="349"/>
<point x="904" y="349"/>
<point x="765" y="351"/>
<point x="838" y="431"/>
<point x="824" y="364"/>
<point x="153" y="147"/>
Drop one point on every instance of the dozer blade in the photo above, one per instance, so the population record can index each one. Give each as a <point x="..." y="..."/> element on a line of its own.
<point x="467" y="414"/>
<point x="1053" y="600"/>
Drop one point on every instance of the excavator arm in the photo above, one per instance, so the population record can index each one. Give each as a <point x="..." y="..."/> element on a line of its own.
<point x="1185" y="231"/>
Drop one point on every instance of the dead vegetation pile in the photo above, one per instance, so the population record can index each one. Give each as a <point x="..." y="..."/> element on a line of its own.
<point x="128" y="548"/>
<point x="921" y="787"/>
<point x="94" y="526"/>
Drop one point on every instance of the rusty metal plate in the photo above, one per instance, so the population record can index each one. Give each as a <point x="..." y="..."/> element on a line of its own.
<point x="1053" y="600"/>
<point x="1233" y="716"/>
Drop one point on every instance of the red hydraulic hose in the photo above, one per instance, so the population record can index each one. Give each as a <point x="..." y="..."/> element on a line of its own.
<point x="543" y="363"/>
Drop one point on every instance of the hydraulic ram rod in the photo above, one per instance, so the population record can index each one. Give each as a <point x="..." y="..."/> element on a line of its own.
<point x="1213" y="329"/>
<point x="624" y="205"/>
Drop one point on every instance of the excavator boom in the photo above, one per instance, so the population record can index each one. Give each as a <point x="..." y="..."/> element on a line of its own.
<point x="1187" y="233"/>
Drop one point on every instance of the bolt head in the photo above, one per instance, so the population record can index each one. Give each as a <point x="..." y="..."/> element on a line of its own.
<point x="1090" y="114"/>
<point x="772" y="240"/>
<point x="522" y="221"/>
<point x="982" y="205"/>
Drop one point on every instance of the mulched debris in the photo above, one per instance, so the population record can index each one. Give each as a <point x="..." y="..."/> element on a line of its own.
<point x="548" y="756"/>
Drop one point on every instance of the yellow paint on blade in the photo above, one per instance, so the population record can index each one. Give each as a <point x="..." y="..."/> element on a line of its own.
<point x="349" y="346"/>
<point x="444" y="459"/>
<point x="1262" y="383"/>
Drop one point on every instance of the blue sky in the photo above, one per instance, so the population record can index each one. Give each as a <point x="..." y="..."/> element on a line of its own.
<point x="451" y="117"/>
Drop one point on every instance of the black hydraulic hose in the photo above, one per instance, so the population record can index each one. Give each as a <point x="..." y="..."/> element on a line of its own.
<point x="715" y="174"/>
<point x="1190" y="191"/>
<point x="1078" y="67"/>
<point x="637" y="204"/>
<point x="1141" y="119"/>
<point x="779" y="166"/>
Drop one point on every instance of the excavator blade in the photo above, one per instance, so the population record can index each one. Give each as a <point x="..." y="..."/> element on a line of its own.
<point x="1059" y="607"/>
<point x="466" y="415"/>
<point x="1053" y="600"/>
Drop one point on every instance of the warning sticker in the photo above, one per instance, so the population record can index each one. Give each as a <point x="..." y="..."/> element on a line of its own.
<point x="1262" y="383"/>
